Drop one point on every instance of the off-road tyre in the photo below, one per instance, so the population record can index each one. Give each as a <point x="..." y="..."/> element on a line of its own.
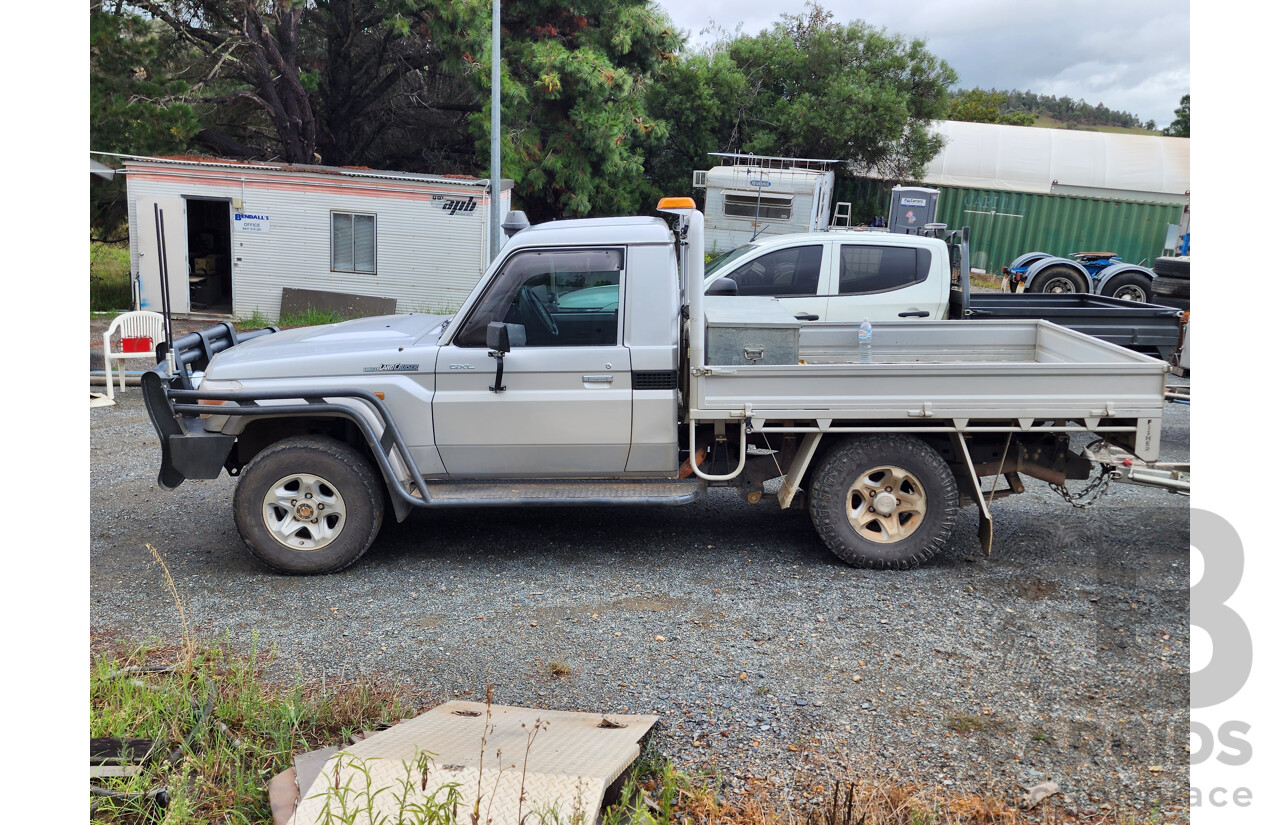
<point x="832" y="487"/>
<point x="340" y="469"/>
<point x="1130" y="286"/>
<point x="1059" y="278"/>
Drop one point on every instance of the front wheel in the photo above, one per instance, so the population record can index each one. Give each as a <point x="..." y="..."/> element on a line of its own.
<point x="308" y="504"/>
<point x="1129" y="287"/>
<point x="885" y="502"/>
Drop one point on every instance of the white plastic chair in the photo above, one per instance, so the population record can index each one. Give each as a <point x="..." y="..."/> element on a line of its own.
<point x="140" y="324"/>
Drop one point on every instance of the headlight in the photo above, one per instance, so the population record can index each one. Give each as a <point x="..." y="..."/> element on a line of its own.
<point x="216" y="385"/>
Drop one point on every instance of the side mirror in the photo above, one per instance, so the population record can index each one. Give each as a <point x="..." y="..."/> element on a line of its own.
<point x="497" y="337"/>
<point x="723" y="286"/>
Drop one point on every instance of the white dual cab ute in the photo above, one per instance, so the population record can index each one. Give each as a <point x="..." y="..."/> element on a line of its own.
<point x="857" y="274"/>
<point x="588" y="367"/>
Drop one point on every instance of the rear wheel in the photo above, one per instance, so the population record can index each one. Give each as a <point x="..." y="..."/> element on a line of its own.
<point x="308" y="505"/>
<point x="1059" y="280"/>
<point x="883" y="501"/>
<point x="1129" y="286"/>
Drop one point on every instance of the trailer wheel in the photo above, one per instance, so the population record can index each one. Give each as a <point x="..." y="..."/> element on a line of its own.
<point x="308" y="504"/>
<point x="1059" y="279"/>
<point x="1129" y="286"/>
<point x="885" y="502"/>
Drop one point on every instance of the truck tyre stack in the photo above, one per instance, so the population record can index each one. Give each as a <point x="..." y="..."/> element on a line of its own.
<point x="1172" y="285"/>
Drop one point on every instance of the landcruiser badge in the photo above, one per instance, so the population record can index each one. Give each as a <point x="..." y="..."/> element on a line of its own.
<point x="393" y="368"/>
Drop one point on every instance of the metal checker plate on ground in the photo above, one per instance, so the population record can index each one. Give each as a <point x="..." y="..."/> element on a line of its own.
<point x="572" y="762"/>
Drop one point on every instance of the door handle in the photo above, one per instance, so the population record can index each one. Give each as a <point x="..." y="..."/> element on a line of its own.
<point x="597" y="379"/>
<point x="921" y="313"/>
<point x="806" y="317"/>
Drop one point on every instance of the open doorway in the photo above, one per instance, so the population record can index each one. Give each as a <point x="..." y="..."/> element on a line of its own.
<point x="209" y="253"/>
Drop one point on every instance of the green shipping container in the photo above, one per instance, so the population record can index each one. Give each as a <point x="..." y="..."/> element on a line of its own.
<point x="1003" y="224"/>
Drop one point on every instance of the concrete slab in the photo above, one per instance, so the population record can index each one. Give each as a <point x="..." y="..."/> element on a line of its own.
<point x="573" y="759"/>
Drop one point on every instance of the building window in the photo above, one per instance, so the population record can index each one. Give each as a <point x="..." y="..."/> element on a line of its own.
<point x="743" y="205"/>
<point x="354" y="242"/>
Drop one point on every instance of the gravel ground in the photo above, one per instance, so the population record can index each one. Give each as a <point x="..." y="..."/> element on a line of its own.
<point x="1062" y="656"/>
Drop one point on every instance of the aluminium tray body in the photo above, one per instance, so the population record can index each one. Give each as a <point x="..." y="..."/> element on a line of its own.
<point x="1031" y="372"/>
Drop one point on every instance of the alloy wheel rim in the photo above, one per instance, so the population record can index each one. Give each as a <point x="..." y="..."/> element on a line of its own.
<point x="886" y="504"/>
<point x="303" y="511"/>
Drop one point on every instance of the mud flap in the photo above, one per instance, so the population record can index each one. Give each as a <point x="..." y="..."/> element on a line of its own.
<point x="986" y="528"/>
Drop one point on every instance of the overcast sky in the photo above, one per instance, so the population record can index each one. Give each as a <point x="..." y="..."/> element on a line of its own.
<point x="1132" y="55"/>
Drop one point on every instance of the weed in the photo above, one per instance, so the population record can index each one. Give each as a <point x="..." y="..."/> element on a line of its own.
<point x="311" y="317"/>
<point x="350" y="801"/>
<point x="966" y="724"/>
<point x="985" y="280"/>
<point x="188" y="645"/>
<point x="559" y="669"/>
<point x="436" y="309"/>
<point x="255" y="321"/>
<point x="220" y="761"/>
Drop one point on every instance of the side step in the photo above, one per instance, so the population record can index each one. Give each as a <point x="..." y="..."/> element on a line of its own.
<point x="575" y="492"/>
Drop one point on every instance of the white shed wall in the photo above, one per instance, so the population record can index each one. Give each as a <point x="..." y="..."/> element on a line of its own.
<point x="428" y="257"/>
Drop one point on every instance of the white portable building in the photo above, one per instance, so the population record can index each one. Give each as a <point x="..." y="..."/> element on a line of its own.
<point x="756" y="195"/>
<point x="237" y="234"/>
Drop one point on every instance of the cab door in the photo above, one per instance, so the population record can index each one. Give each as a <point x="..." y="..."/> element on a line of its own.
<point x="792" y="274"/>
<point x="884" y="282"/>
<point x="565" y="406"/>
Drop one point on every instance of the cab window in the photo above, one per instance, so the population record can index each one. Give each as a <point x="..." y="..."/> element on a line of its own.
<point x="787" y="272"/>
<point x="866" y="269"/>
<point x="559" y="297"/>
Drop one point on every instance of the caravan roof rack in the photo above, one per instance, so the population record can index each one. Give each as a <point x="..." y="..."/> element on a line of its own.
<point x="776" y="162"/>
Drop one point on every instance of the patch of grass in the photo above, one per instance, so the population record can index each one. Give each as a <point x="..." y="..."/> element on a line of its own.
<point x="657" y="794"/>
<point x="110" y="288"/>
<point x="436" y="309"/>
<point x="311" y="317"/>
<point x="988" y="280"/>
<point x="255" y="321"/>
<point x="216" y="764"/>
<point x="559" y="669"/>
<point x="967" y="724"/>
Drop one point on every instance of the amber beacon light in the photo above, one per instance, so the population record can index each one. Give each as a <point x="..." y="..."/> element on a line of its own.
<point x="676" y="203"/>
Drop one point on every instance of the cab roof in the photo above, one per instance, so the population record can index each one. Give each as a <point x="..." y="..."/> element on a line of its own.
<point x="592" y="231"/>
